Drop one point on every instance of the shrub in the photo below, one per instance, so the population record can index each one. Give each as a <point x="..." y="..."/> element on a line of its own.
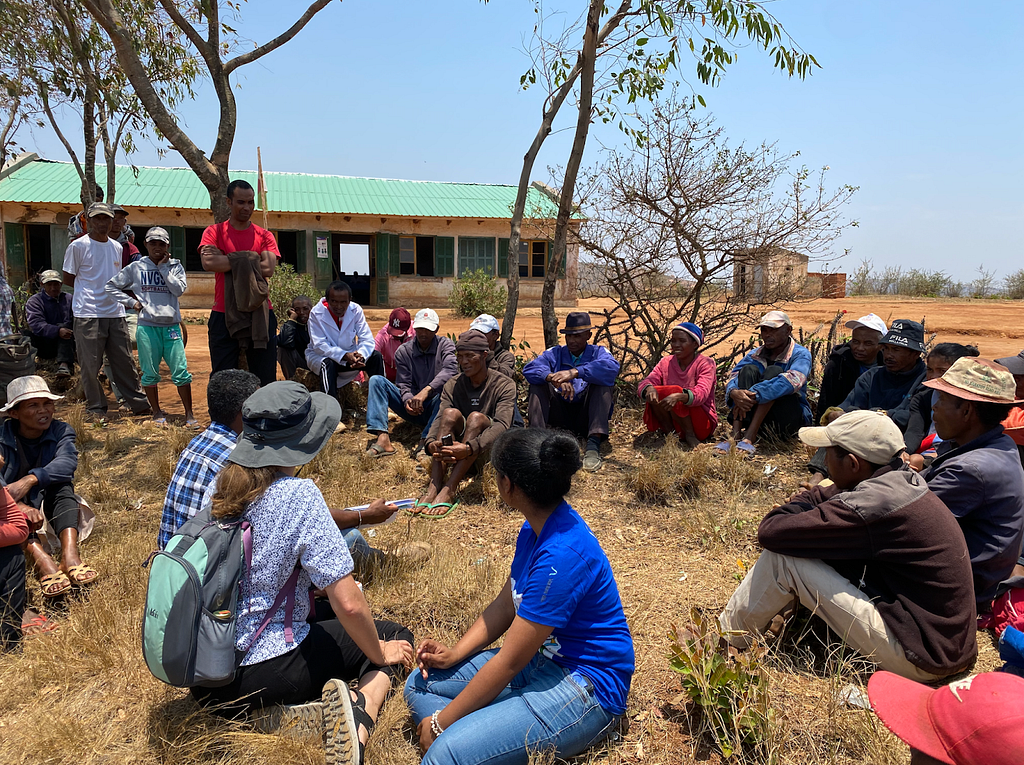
<point x="285" y="285"/>
<point x="1013" y="285"/>
<point x="477" y="293"/>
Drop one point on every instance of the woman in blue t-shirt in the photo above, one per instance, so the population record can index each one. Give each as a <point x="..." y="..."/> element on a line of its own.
<point x="561" y="677"/>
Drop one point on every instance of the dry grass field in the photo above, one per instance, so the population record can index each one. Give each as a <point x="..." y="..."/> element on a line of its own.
<point x="679" y="529"/>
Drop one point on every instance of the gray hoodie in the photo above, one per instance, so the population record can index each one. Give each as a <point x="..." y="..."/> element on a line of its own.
<point x="157" y="287"/>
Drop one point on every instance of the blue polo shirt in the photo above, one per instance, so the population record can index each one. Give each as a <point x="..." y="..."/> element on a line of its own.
<point x="562" y="579"/>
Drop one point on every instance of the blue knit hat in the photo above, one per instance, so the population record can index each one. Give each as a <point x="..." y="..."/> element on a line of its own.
<point x="691" y="329"/>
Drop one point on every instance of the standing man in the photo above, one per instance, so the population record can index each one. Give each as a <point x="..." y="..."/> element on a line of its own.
<point x="223" y="247"/>
<point x="340" y="341"/>
<point x="100" y="327"/>
<point x="571" y="387"/>
<point x="423" y="367"/>
<point x="50" y="321"/>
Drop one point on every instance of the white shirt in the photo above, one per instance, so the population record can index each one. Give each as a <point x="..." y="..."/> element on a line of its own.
<point x="93" y="265"/>
<point x="329" y="340"/>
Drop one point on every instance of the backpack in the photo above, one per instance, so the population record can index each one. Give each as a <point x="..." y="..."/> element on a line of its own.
<point x="191" y="611"/>
<point x="17" y="359"/>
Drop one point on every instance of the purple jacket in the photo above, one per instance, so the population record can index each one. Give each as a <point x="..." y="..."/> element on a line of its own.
<point x="46" y="316"/>
<point x="416" y="368"/>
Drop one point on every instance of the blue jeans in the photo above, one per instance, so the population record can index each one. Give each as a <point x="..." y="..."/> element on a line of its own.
<point x="544" y="707"/>
<point x="358" y="547"/>
<point x="383" y="395"/>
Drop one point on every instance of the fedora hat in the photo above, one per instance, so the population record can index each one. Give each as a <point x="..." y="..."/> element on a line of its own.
<point x="25" y="388"/>
<point x="576" y="323"/>
<point x="284" y="425"/>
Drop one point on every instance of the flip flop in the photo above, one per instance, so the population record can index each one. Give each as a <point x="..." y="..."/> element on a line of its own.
<point x="411" y="511"/>
<point x="45" y="626"/>
<point x="193" y="424"/>
<point x="748" y="449"/>
<point x="82" y="575"/>
<point x="58" y="578"/>
<point x="437" y="516"/>
<point x="377" y="451"/>
<point x="722" y="447"/>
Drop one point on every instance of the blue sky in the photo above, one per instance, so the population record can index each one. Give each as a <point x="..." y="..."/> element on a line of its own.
<point x="917" y="103"/>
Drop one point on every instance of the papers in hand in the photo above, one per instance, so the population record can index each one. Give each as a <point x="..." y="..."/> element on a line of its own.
<point x="402" y="504"/>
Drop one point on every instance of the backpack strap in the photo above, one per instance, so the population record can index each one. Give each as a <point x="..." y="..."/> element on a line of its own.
<point x="287" y="597"/>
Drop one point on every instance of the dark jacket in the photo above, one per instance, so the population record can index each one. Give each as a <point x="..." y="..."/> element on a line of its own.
<point x="878" y="388"/>
<point x="46" y="315"/>
<point x="58" y="457"/>
<point x="919" y="423"/>
<point x="896" y="540"/>
<point x="982" y="483"/>
<point x="246" y="313"/>
<point x="416" y="368"/>
<point x="840" y="375"/>
<point x="293" y="335"/>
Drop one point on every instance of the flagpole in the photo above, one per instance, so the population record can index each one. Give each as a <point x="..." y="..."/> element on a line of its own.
<point x="261" y="187"/>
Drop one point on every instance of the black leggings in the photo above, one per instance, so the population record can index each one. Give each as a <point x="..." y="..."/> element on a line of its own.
<point x="299" y="676"/>
<point x="12" y="596"/>
<point x="60" y="507"/>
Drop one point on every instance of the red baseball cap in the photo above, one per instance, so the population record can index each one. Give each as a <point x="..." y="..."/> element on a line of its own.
<point x="399" y="322"/>
<point x="975" y="721"/>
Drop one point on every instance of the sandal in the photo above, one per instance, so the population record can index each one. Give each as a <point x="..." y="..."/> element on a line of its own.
<point x="58" y="579"/>
<point x="193" y="424"/>
<point x="415" y="510"/>
<point x="377" y="451"/>
<point x="437" y="516"/>
<point x="82" y="575"/>
<point x="39" y="625"/>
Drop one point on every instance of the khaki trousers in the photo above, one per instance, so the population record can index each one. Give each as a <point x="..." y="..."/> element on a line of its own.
<point x="775" y="580"/>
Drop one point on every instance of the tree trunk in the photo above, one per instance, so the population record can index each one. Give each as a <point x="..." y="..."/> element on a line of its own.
<point x="89" y="157"/>
<point x="588" y="62"/>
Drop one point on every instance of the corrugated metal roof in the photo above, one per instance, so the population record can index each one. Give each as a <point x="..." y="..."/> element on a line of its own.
<point x="44" y="181"/>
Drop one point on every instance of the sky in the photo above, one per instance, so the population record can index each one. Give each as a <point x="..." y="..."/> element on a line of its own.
<point x="919" y="104"/>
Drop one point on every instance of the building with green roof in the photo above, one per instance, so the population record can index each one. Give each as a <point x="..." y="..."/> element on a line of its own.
<point x="397" y="242"/>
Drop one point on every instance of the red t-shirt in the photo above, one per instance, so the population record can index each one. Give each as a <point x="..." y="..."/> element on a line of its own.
<point x="228" y="239"/>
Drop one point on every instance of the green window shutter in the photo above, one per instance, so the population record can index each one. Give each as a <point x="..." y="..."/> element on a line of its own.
<point x="444" y="255"/>
<point x="476" y="254"/>
<point x="467" y="254"/>
<point x="395" y="268"/>
<point x="59" y="241"/>
<point x="321" y="268"/>
<point x="177" y="242"/>
<point x="300" y="254"/>
<point x="503" y="258"/>
<point x="383" y="258"/>
<point x="14" y="239"/>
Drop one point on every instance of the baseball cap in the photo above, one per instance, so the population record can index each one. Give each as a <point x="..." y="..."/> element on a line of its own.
<point x="977" y="380"/>
<point x="905" y="334"/>
<point x="118" y="209"/>
<point x="485" y="323"/>
<point x="100" y="208"/>
<point x="871" y="321"/>
<point x="975" y="721"/>
<point x="775" y="319"/>
<point x="1015" y="364"/>
<point x="50" y="276"/>
<point x="399" y="322"/>
<point x="157" y="234"/>
<point x="869" y="434"/>
<point x="426" y="318"/>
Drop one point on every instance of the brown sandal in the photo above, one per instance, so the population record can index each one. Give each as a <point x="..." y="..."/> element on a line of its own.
<point x="57" y="579"/>
<point x="82" y="575"/>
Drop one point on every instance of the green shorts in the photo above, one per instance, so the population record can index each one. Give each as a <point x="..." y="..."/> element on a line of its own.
<point x="162" y="343"/>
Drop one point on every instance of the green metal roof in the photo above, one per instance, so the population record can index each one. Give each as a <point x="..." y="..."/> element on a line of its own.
<point x="47" y="182"/>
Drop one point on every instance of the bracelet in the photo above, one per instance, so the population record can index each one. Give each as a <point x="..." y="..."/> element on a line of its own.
<point x="360" y="518"/>
<point x="435" y="726"/>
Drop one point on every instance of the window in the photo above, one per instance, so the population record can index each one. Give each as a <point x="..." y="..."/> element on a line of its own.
<point x="533" y="258"/>
<point x="416" y="256"/>
<point x="476" y="254"/>
<point x="406" y="255"/>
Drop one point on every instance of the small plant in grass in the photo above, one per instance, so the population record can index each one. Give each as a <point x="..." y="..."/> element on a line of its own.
<point x="729" y="694"/>
<point x="477" y="293"/>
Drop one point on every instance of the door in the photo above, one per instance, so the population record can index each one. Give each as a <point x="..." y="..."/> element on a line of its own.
<point x="14" y="237"/>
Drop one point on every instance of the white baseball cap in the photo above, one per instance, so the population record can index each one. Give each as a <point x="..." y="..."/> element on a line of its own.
<point x="485" y="323"/>
<point x="775" y="319"/>
<point x="869" y="434"/>
<point x="426" y="318"/>
<point x="871" y="321"/>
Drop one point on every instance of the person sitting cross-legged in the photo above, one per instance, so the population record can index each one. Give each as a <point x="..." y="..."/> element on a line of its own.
<point x="768" y="387"/>
<point x="340" y="341"/>
<point x="1013" y="425"/>
<point x="977" y="471"/>
<point x="423" y="366"/>
<point x="50" y="322"/>
<point x="476" y="406"/>
<point x="39" y="463"/>
<point x="680" y="391"/>
<point x="572" y="387"/>
<point x="848" y="361"/>
<point x="876" y="555"/>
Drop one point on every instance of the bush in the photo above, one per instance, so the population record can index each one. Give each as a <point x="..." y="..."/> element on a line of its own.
<point x="285" y="285"/>
<point x="1013" y="285"/>
<point x="477" y="293"/>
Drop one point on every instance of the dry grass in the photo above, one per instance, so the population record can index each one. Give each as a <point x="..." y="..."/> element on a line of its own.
<point x="678" y="528"/>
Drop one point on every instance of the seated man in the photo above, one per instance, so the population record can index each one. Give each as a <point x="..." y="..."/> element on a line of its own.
<point x="1014" y="423"/>
<point x="423" y="367"/>
<point x="499" y="359"/>
<point x="572" y="387"/>
<point x="39" y="463"/>
<point x="768" y="387"/>
<point x="293" y="337"/>
<point x="977" y="471"/>
<point x="849" y="360"/>
<point x="340" y="341"/>
<point x="476" y="406"/>
<point x="876" y="555"/>
<point x="391" y="337"/>
<point x="50" y="323"/>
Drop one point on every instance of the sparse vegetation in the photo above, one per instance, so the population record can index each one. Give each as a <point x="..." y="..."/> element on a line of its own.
<point x="477" y="293"/>
<point x="286" y="285"/>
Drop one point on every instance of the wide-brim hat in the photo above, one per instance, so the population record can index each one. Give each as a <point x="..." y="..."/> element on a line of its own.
<point x="284" y="425"/>
<point x="1015" y="364"/>
<point x="977" y="380"/>
<point x="576" y="323"/>
<point x="25" y="388"/>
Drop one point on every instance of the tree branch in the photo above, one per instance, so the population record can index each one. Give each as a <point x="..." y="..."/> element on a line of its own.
<point x="190" y="31"/>
<point x="277" y="42"/>
<point x="45" y="101"/>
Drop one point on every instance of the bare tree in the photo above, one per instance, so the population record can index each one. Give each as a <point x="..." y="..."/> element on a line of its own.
<point x="668" y="223"/>
<point x="202" y="25"/>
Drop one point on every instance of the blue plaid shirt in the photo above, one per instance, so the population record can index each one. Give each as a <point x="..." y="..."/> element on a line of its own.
<point x="199" y="463"/>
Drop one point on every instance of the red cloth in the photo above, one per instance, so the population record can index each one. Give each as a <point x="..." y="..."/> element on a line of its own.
<point x="702" y="424"/>
<point x="699" y="376"/>
<point x="228" y="239"/>
<point x="13" y="524"/>
<point x="386" y="344"/>
<point x="1007" y="611"/>
<point x="1014" y="425"/>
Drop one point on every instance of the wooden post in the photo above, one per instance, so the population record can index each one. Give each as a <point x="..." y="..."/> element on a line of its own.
<point x="261" y="188"/>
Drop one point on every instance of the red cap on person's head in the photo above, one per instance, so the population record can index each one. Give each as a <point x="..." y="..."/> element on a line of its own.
<point x="399" y="322"/>
<point x="975" y="721"/>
